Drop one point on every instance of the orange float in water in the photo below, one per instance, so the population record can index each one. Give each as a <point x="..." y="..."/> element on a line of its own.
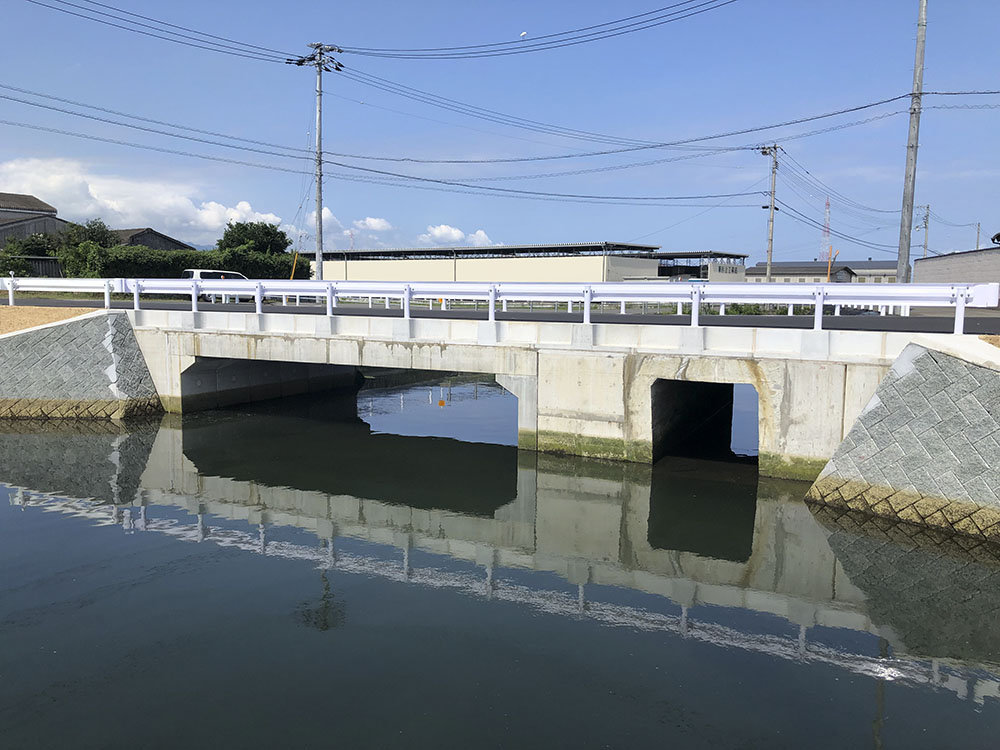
<point x="440" y="403"/>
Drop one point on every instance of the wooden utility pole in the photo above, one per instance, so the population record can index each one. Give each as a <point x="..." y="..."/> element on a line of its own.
<point x="910" y="178"/>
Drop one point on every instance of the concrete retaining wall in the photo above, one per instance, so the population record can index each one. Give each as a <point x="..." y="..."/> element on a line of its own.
<point x="926" y="448"/>
<point x="89" y="367"/>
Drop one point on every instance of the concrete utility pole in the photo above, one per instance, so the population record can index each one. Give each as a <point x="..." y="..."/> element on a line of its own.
<point x="979" y="225"/>
<point x="771" y="151"/>
<point x="910" y="178"/>
<point x="321" y="60"/>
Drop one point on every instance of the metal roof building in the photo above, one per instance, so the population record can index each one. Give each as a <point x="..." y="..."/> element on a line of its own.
<point x="577" y="262"/>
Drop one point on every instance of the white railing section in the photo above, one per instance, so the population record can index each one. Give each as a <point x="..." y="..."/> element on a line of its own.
<point x="884" y="298"/>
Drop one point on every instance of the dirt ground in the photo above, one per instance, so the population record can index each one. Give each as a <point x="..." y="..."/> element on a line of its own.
<point x="995" y="340"/>
<point x="19" y="318"/>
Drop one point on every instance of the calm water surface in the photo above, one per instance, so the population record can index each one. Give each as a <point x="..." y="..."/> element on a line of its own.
<point x="311" y="573"/>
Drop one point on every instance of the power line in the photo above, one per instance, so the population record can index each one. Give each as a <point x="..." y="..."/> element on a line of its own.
<point x="570" y="39"/>
<point x="188" y="41"/>
<point x="809" y="221"/>
<point x="520" y="41"/>
<point x="406" y="180"/>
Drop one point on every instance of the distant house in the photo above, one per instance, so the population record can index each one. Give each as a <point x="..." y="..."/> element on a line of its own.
<point x="148" y="237"/>
<point x="25" y="215"/>
<point x="814" y="272"/>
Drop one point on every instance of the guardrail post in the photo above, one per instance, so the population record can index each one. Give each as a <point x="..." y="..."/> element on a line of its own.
<point x="722" y="308"/>
<point x="569" y="306"/>
<point x="621" y="309"/>
<point x="369" y="301"/>
<point x="258" y="297"/>
<point x="836" y="309"/>
<point x="107" y="294"/>
<point x="959" y="311"/>
<point x="503" y="305"/>
<point x="10" y="290"/>
<point x="406" y="302"/>
<point x="194" y="296"/>
<point x="387" y="302"/>
<point x="329" y="300"/>
<point x="695" y="307"/>
<point x="588" y="295"/>
<point x="680" y="308"/>
<point x="791" y="309"/>
<point x="492" y="312"/>
<point x="818" y="311"/>
<point x="135" y="294"/>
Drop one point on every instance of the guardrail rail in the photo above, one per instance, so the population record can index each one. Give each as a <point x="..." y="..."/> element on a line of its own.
<point x="886" y="298"/>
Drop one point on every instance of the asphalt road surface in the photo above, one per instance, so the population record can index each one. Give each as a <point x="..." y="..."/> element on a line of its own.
<point x="942" y="322"/>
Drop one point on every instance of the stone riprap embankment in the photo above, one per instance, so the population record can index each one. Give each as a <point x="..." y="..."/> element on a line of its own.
<point x="926" y="449"/>
<point x="89" y="367"/>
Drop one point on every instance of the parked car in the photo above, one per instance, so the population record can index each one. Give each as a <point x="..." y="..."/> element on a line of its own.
<point x="207" y="274"/>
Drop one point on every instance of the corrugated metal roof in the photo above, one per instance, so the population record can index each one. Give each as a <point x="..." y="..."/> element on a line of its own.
<point x="494" y="251"/>
<point x="20" y="202"/>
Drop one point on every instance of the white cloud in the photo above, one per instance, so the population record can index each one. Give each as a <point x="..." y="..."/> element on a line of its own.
<point x="329" y="220"/>
<point x="478" y="239"/>
<point x="443" y="234"/>
<point x="373" y="224"/>
<point x="79" y="195"/>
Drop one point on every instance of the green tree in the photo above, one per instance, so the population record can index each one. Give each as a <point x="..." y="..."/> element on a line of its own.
<point x="33" y="244"/>
<point x="254" y="236"/>
<point x="8" y="263"/>
<point x="95" y="231"/>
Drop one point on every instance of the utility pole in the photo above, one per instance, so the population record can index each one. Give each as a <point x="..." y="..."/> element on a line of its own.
<point x="979" y="225"/>
<point x="910" y="178"/>
<point x="320" y="59"/>
<point x="927" y="224"/>
<point x="771" y="151"/>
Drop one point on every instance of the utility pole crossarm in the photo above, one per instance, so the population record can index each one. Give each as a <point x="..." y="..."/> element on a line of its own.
<point x="322" y="60"/>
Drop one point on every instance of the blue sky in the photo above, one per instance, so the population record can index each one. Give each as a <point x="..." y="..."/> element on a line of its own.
<point x="750" y="63"/>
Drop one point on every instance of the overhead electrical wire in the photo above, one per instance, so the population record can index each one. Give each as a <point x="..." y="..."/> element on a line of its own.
<point x="405" y="180"/>
<point x="191" y="37"/>
<point x="555" y="41"/>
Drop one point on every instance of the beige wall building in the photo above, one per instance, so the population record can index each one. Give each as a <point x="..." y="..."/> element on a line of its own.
<point x="972" y="265"/>
<point x="580" y="263"/>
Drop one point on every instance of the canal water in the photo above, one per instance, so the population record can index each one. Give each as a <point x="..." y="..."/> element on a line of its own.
<point x="393" y="572"/>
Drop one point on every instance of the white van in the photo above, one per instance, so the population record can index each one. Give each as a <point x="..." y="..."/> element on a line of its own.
<point x="207" y="273"/>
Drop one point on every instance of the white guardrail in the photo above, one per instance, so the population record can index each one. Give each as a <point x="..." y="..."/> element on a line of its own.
<point x="886" y="298"/>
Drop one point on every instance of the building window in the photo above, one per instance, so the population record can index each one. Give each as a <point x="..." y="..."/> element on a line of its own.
<point x="817" y="280"/>
<point x="786" y="279"/>
<point x="877" y="279"/>
<point x="862" y="279"/>
<point x="892" y="280"/>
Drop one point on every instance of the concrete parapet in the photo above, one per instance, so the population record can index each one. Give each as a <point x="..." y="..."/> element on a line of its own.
<point x="926" y="448"/>
<point x="89" y="367"/>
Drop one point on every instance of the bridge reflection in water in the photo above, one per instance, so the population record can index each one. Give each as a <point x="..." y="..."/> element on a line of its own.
<point x="695" y="535"/>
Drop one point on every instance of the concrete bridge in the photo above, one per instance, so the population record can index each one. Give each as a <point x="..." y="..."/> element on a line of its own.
<point x="626" y="391"/>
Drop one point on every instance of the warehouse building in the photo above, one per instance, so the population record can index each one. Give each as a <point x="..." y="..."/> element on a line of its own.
<point x="971" y="265"/>
<point x="815" y="272"/>
<point x="581" y="263"/>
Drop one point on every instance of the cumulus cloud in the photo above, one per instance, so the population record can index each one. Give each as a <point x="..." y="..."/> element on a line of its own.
<point x="169" y="207"/>
<point x="373" y="224"/>
<point x="478" y="238"/>
<point x="329" y="220"/>
<point x="443" y="234"/>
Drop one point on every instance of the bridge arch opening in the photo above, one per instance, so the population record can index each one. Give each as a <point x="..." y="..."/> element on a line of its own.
<point x="695" y="419"/>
